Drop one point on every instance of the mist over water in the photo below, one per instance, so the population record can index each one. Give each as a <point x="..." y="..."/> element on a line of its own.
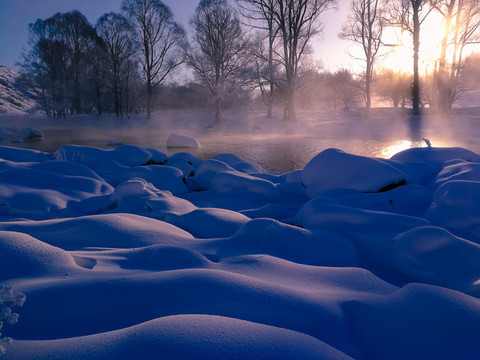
<point x="273" y="144"/>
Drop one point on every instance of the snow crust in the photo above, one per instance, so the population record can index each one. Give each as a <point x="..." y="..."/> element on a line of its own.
<point x="130" y="253"/>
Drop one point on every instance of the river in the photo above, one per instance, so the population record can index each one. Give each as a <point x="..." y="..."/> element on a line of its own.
<point x="272" y="144"/>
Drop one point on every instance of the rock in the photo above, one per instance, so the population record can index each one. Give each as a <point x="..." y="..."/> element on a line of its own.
<point x="177" y="140"/>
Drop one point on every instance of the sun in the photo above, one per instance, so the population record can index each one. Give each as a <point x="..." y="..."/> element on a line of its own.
<point x="398" y="54"/>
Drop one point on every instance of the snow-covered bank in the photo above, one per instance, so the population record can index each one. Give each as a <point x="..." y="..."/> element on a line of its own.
<point x="134" y="253"/>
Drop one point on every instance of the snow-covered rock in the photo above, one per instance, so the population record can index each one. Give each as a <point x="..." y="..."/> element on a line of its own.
<point x="239" y="184"/>
<point x="221" y="222"/>
<point x="31" y="134"/>
<point x="436" y="155"/>
<point x="182" y="141"/>
<point x="455" y="206"/>
<point x="207" y="170"/>
<point x="334" y="169"/>
<point x="435" y="256"/>
<point x="238" y="163"/>
<point x="326" y="213"/>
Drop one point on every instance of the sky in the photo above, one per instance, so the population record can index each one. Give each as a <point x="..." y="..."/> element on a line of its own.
<point x="15" y="15"/>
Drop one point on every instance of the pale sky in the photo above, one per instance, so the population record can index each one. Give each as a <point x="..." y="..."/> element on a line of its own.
<point x="15" y="15"/>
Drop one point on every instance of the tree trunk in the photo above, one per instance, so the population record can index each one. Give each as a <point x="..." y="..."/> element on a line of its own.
<point x="99" y="101"/>
<point x="443" y="85"/>
<point x="149" y="99"/>
<point x="116" y="95"/>
<point x="271" y="75"/>
<point x="270" y="101"/>
<point x="290" y="113"/>
<point x="368" y="82"/>
<point x="269" y="110"/>
<point x="218" y="111"/>
<point x="76" y="97"/>
<point x="416" y="76"/>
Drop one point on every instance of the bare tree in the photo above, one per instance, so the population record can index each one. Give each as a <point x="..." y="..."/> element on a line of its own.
<point x="80" y="38"/>
<point x="219" y="54"/>
<point x="446" y="8"/>
<point x="410" y="15"/>
<point x="262" y="13"/>
<point x="364" y="26"/>
<point x="297" y="21"/>
<point x="45" y="67"/>
<point x="161" y="41"/>
<point x="394" y="86"/>
<point x="119" y="50"/>
<point x="461" y="28"/>
<point x="61" y="48"/>
<point x="344" y="90"/>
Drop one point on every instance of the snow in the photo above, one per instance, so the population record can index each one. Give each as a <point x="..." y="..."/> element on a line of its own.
<point x="326" y="171"/>
<point x="182" y="141"/>
<point x="13" y="99"/>
<point x="131" y="252"/>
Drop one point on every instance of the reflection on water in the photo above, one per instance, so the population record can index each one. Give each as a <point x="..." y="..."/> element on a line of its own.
<point x="398" y="146"/>
<point x="288" y="153"/>
<point x="280" y="153"/>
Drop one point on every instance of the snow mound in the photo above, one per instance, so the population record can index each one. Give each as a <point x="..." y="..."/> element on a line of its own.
<point x="109" y="231"/>
<point x="455" y="207"/>
<point x="182" y="141"/>
<point x="207" y="170"/>
<point x="161" y="258"/>
<point x="326" y="213"/>
<point x="319" y="247"/>
<point x="423" y="314"/>
<point x="221" y="222"/>
<point x="186" y="337"/>
<point x="141" y="197"/>
<point x="130" y="155"/>
<point x="408" y="200"/>
<point x="148" y="254"/>
<point x="235" y="182"/>
<point x="125" y="163"/>
<point x="435" y="256"/>
<point x="23" y="255"/>
<point x="22" y="155"/>
<point x="238" y="163"/>
<point x="460" y="171"/>
<point x="334" y="169"/>
<point x="39" y="191"/>
<point x="434" y="155"/>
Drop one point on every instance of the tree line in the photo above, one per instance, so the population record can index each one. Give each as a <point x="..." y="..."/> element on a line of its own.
<point x="127" y="61"/>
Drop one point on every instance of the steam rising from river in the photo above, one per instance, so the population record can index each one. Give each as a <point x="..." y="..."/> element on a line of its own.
<point x="272" y="143"/>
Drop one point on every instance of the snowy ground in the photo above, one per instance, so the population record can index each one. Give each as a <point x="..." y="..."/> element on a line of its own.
<point x="132" y="252"/>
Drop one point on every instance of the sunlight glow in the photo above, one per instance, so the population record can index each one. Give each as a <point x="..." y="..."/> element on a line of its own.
<point x="400" y="54"/>
<point x="399" y="44"/>
<point x="398" y="146"/>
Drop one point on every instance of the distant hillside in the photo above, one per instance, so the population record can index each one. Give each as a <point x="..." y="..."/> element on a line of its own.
<point x="12" y="99"/>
